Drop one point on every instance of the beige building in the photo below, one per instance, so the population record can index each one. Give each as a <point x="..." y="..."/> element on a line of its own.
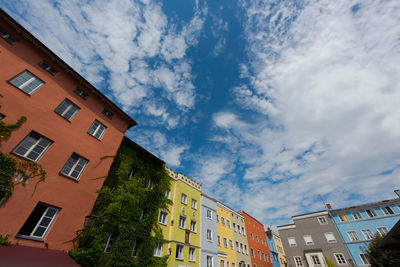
<point x="279" y="248"/>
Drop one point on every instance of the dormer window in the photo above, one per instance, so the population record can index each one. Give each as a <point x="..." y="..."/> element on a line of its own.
<point x="48" y="67"/>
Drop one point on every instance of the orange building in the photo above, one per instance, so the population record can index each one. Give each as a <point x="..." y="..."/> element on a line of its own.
<point x="70" y="126"/>
<point x="259" y="251"/>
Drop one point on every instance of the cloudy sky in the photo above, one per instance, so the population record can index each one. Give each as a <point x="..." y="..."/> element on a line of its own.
<point x="268" y="104"/>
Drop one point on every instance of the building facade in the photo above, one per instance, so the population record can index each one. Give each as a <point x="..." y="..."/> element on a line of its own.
<point x="257" y="241"/>
<point x="358" y="224"/>
<point x="240" y="239"/>
<point x="181" y="227"/>
<point x="272" y="248"/>
<point x="279" y="249"/>
<point x="226" y="247"/>
<point x="209" y="243"/>
<point x="70" y="127"/>
<point x="312" y="239"/>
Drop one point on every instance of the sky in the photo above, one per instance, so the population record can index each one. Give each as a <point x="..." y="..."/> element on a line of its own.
<point x="273" y="106"/>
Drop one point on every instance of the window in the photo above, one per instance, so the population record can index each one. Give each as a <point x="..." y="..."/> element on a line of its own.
<point x="387" y="210"/>
<point x="217" y="218"/>
<point x="315" y="260"/>
<point x="209" y="235"/>
<point x="234" y="226"/>
<point x="7" y="36"/>
<point x="225" y="243"/>
<point x="167" y="193"/>
<point x="81" y="93"/>
<point x="192" y="254"/>
<point x="257" y="238"/>
<point x="210" y="261"/>
<point x="343" y="218"/>
<point x="179" y="252"/>
<point x="209" y="214"/>
<point x="150" y="184"/>
<point x="97" y="129"/>
<point x="292" y="241"/>
<point x="222" y="263"/>
<point x="163" y="217"/>
<point x="233" y="264"/>
<point x="263" y="256"/>
<point x="74" y="166"/>
<point x="27" y="82"/>
<point x="243" y="232"/>
<point x="32" y="147"/>
<point x="194" y="204"/>
<point x="298" y="261"/>
<point x="245" y="249"/>
<point x="109" y="243"/>
<point x="237" y="246"/>
<point x="48" y="67"/>
<point x="134" y="250"/>
<point x="107" y="113"/>
<point x="356" y="215"/>
<point x="330" y="237"/>
<point x="67" y="109"/>
<point x="223" y="221"/>
<point x="228" y="223"/>
<point x="158" y="249"/>
<point x="382" y="231"/>
<point x="371" y="213"/>
<point x="353" y="236"/>
<point x="39" y="222"/>
<point x="238" y="228"/>
<point x="219" y="240"/>
<point x="241" y="247"/>
<point x="340" y="259"/>
<point x="182" y="222"/>
<point x="322" y="220"/>
<point x="367" y="234"/>
<point x="308" y="240"/>
<point x="252" y="252"/>
<point x="364" y="258"/>
<point x="231" y="244"/>
<point x="259" y="255"/>
<point x="183" y="198"/>
<point x="193" y="226"/>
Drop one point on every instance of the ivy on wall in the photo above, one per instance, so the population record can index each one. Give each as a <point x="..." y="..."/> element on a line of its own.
<point x="127" y="207"/>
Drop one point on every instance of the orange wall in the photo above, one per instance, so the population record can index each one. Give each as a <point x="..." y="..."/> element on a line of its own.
<point x="253" y="227"/>
<point x="75" y="198"/>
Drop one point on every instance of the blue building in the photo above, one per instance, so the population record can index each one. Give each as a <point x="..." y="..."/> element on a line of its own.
<point x="358" y="224"/>
<point x="272" y="248"/>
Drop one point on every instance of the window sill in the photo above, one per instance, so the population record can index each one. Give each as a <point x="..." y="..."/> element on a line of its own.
<point x="179" y="259"/>
<point x="29" y="237"/>
<point x="165" y="224"/>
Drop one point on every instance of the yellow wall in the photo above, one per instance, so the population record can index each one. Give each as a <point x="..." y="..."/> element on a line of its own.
<point x="279" y="248"/>
<point x="225" y="232"/>
<point x="172" y="232"/>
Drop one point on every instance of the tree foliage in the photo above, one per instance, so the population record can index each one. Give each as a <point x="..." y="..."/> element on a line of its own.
<point x="379" y="257"/>
<point x="128" y="209"/>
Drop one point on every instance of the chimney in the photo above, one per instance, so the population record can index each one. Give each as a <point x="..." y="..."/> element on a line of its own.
<point x="328" y="206"/>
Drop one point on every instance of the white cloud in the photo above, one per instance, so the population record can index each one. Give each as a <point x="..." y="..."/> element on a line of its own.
<point x="325" y="83"/>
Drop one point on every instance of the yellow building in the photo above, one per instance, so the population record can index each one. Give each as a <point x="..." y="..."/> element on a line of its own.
<point x="181" y="222"/>
<point x="279" y="248"/>
<point x="225" y="238"/>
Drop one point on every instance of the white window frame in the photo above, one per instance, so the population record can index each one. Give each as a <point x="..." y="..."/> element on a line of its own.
<point x="328" y="239"/>
<point x="73" y="163"/>
<point x="292" y="244"/>
<point x="356" y="215"/>
<point x="182" y="219"/>
<point x="243" y="231"/>
<point x="134" y="250"/>
<point x="382" y="230"/>
<point x="109" y="244"/>
<point x="353" y="236"/>
<point x="308" y="243"/>
<point x="34" y="140"/>
<point x="387" y="210"/>
<point x="27" y="83"/>
<point x="97" y="131"/>
<point x="67" y="109"/>
<point x="192" y="254"/>
<point x="315" y="259"/>
<point x="230" y="244"/>
<point x="179" y="252"/>
<point x="340" y="259"/>
<point x="322" y="220"/>
<point x="183" y="198"/>
<point x="209" y="214"/>
<point x="194" y="204"/>
<point x="367" y="234"/>
<point x="219" y="240"/>
<point x="234" y="226"/>
<point x="167" y="193"/>
<point x="223" y="221"/>
<point x="225" y="241"/>
<point x="298" y="261"/>
<point x="163" y="217"/>
<point x="228" y="223"/>
<point x="364" y="259"/>
<point x="210" y="261"/>
<point x="158" y="249"/>
<point x="237" y="246"/>
<point x="372" y="211"/>
<point x="193" y="226"/>
<point x="209" y="235"/>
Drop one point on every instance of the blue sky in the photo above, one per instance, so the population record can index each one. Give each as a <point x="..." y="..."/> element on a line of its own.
<point x="268" y="104"/>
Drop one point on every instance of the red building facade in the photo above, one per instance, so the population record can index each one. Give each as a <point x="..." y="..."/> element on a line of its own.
<point x="70" y="126"/>
<point x="258" y="246"/>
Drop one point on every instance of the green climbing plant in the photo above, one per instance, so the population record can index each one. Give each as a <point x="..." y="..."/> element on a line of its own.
<point x="127" y="209"/>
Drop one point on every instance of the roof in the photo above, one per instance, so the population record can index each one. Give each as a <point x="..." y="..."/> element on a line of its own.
<point x="251" y="217"/>
<point x="126" y="139"/>
<point x="22" y="31"/>
<point x="382" y="202"/>
<point x="22" y="256"/>
<point x="392" y="238"/>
